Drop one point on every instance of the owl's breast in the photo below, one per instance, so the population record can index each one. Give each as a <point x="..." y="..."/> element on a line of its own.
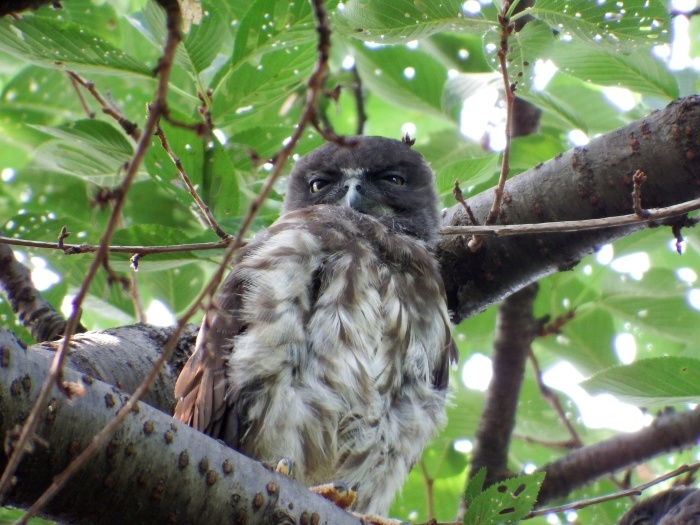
<point x="345" y="326"/>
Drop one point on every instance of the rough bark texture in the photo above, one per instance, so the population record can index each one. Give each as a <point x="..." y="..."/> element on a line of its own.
<point x="153" y="470"/>
<point x="123" y="356"/>
<point x="583" y="183"/>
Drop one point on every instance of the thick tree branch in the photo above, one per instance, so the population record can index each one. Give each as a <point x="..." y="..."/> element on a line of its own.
<point x="668" y="433"/>
<point x="154" y="469"/>
<point x="583" y="183"/>
<point x="515" y="329"/>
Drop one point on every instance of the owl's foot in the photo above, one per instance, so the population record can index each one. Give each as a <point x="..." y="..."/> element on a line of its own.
<point x="339" y="493"/>
<point x="373" y="519"/>
<point x="285" y="466"/>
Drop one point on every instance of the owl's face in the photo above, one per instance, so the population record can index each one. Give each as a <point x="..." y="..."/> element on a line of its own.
<point x="380" y="177"/>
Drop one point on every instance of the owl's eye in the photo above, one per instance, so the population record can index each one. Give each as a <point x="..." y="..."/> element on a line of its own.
<point x="317" y="185"/>
<point x="395" y="179"/>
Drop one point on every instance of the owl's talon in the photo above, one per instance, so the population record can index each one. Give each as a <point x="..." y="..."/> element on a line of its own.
<point x="373" y="519"/>
<point x="285" y="466"/>
<point x="337" y="492"/>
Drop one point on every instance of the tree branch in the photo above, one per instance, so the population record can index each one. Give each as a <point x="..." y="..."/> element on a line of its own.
<point x="153" y="469"/>
<point x="37" y="315"/>
<point x="515" y="329"/>
<point x="583" y="183"/>
<point x="668" y="433"/>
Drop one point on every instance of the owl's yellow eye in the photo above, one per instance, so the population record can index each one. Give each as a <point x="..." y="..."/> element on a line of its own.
<point x="317" y="185"/>
<point x="395" y="179"/>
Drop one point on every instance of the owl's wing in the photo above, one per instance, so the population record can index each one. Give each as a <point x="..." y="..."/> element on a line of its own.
<point x="201" y="386"/>
<point x="450" y="356"/>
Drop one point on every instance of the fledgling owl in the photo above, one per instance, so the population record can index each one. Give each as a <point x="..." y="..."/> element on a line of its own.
<point x="330" y="343"/>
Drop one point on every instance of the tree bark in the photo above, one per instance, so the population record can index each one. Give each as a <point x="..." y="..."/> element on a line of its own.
<point x="153" y="470"/>
<point x="584" y="183"/>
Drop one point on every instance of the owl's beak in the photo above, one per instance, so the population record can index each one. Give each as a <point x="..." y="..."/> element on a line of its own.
<point x="353" y="198"/>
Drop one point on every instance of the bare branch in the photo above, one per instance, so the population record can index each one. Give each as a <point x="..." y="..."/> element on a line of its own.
<point x="130" y="128"/>
<point x="190" y="188"/>
<point x="506" y="29"/>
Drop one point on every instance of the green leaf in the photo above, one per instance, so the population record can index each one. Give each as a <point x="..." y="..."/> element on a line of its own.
<point x="586" y="341"/>
<point x="178" y="287"/>
<point x="63" y="44"/>
<point x="657" y="381"/>
<point x="657" y="303"/>
<point x="396" y="21"/>
<point x="222" y="184"/>
<point x="441" y="460"/>
<point x="91" y="133"/>
<point x="614" y="26"/>
<point x="385" y="71"/>
<point x="273" y="53"/>
<point x="202" y="41"/>
<point x="637" y="71"/>
<point x="475" y="486"/>
<point x="505" y="502"/>
<point x="462" y="86"/>
<point x="92" y="150"/>
<point x="571" y="103"/>
<point x="474" y="175"/>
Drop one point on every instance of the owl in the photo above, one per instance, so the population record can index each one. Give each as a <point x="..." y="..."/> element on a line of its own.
<point x="330" y="341"/>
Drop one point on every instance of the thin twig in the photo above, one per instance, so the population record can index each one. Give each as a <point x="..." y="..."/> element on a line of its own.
<point x="73" y="249"/>
<point x="553" y="400"/>
<point x="555" y="326"/>
<point x="636" y="491"/>
<point x="136" y="298"/>
<point x="55" y="372"/>
<point x="76" y="86"/>
<point x="359" y="97"/>
<point x="506" y="29"/>
<point x="429" y="496"/>
<point x="637" y="180"/>
<point x="130" y="128"/>
<point x="655" y="214"/>
<point x="190" y="187"/>
<point x="457" y="192"/>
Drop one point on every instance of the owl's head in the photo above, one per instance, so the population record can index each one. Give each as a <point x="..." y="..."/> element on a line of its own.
<point x="378" y="176"/>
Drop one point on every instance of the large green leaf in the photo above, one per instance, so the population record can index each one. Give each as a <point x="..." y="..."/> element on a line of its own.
<point x="405" y="78"/>
<point x="658" y="381"/>
<point x="391" y="21"/>
<point x="657" y="303"/>
<point x="203" y="37"/>
<point x="637" y="71"/>
<point x="63" y="44"/>
<point x="615" y="26"/>
<point x="92" y="150"/>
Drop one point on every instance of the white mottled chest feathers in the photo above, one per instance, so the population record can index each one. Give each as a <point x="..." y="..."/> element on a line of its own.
<point x="344" y="330"/>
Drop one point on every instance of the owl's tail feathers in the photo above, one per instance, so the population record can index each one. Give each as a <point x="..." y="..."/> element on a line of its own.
<point x="201" y="396"/>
